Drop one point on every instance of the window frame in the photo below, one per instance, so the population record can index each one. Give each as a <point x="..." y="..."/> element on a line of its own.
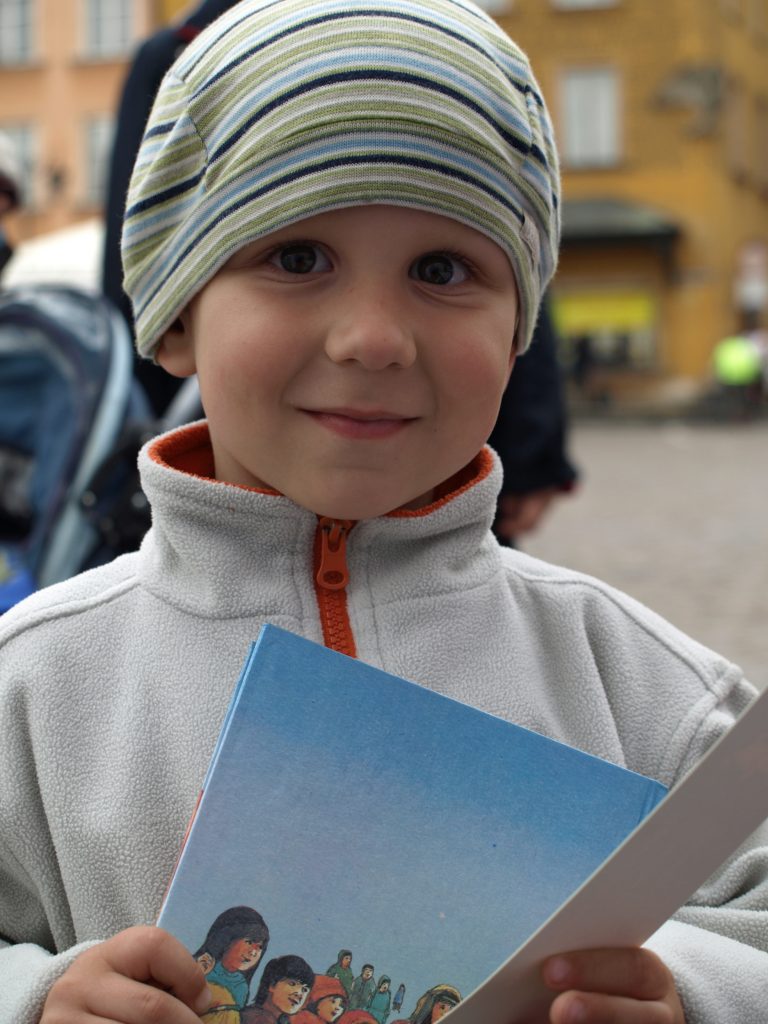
<point x="613" y="150"/>
<point x="97" y="137"/>
<point x="100" y="41"/>
<point x="495" y="7"/>
<point x="24" y="37"/>
<point x="584" y="5"/>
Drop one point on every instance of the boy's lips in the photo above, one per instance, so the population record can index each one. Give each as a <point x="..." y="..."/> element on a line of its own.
<point x="361" y="424"/>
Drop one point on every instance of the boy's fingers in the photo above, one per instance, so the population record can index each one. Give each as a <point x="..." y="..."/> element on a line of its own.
<point x="632" y="972"/>
<point x="588" y="1008"/>
<point x="134" y="1002"/>
<point x="154" y="956"/>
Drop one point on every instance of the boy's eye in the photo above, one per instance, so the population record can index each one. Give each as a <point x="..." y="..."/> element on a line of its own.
<point x="300" y="258"/>
<point x="439" y="268"/>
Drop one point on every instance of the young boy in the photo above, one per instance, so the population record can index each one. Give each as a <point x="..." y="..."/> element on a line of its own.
<point x="342" y="218"/>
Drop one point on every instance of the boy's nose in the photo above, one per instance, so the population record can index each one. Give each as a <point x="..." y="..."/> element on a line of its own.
<point x="372" y="331"/>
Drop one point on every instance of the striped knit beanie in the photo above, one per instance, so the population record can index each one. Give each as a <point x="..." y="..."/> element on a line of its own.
<point x="282" y="109"/>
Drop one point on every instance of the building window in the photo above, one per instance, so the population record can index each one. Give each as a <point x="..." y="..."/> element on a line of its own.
<point x="590" y="132"/>
<point x="109" y="28"/>
<point x="15" y="31"/>
<point x="582" y="5"/>
<point x="98" y="144"/>
<point x="23" y="138"/>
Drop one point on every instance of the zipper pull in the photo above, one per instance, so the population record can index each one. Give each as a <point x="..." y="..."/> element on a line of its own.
<point x="333" y="573"/>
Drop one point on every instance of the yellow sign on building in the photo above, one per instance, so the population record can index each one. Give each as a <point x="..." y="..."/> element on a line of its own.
<point x="590" y="312"/>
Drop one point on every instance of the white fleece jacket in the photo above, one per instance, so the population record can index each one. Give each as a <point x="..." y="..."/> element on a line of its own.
<point x="113" y="686"/>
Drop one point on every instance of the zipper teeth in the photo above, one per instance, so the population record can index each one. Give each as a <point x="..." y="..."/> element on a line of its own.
<point x="333" y="609"/>
<point x="334" y="615"/>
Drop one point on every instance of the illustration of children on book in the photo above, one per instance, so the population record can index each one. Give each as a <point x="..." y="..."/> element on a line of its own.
<point x="363" y="988"/>
<point x="356" y="1017"/>
<point x="326" y="1003"/>
<point x="342" y="970"/>
<point x="231" y="952"/>
<point x="397" y="1002"/>
<point x="433" y="1005"/>
<point x="380" y="1002"/>
<point x="283" y="991"/>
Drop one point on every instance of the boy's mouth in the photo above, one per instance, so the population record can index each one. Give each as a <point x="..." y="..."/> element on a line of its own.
<point x="361" y="424"/>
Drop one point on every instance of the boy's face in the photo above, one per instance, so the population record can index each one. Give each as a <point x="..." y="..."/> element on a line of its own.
<point x="352" y="361"/>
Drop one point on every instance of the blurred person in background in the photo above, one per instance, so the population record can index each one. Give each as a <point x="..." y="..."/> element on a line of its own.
<point x="10" y="193"/>
<point x="530" y="436"/>
<point x="737" y="365"/>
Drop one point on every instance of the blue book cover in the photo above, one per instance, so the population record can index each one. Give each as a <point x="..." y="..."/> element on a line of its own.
<point x="367" y="850"/>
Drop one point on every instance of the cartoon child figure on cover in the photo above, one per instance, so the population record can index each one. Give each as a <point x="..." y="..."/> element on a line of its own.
<point x="229" y="956"/>
<point x="380" y="1002"/>
<point x="342" y="970"/>
<point x="363" y="988"/>
<point x="434" y="1005"/>
<point x="397" y="1002"/>
<point x="326" y="1003"/>
<point x="342" y="218"/>
<point x="283" y="991"/>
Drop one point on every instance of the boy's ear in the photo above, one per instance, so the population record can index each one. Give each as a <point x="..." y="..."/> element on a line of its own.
<point x="176" y="352"/>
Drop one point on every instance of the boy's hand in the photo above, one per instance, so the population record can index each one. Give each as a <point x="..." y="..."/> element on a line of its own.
<point x="612" y="986"/>
<point x="140" y="976"/>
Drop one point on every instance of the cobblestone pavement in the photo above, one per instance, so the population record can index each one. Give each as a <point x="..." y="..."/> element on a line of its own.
<point x="677" y="516"/>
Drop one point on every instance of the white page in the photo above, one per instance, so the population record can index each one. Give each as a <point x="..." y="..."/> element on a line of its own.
<point x="702" y="821"/>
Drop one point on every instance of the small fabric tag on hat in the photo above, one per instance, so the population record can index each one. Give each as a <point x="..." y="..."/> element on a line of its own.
<point x="530" y="236"/>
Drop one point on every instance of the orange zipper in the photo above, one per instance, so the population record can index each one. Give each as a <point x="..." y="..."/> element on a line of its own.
<point x="331" y="578"/>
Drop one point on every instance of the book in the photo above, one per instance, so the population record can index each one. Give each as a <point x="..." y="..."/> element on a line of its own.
<point x="366" y="820"/>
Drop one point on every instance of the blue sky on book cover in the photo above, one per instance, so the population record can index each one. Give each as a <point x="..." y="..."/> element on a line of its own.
<point x="356" y="810"/>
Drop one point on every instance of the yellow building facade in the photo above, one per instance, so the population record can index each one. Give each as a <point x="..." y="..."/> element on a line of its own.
<point x="661" y="114"/>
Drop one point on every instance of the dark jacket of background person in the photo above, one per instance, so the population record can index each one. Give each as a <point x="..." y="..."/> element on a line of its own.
<point x="530" y="434"/>
<point x="151" y="61"/>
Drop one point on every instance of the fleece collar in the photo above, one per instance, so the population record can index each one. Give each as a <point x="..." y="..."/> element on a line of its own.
<point x="212" y="542"/>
